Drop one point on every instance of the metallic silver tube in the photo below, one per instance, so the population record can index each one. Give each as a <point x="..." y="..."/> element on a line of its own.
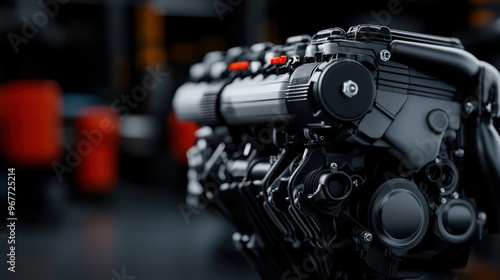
<point x="187" y="100"/>
<point x="255" y="100"/>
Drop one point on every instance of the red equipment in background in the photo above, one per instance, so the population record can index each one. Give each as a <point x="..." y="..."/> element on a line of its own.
<point x="97" y="143"/>
<point x="32" y="123"/>
<point x="181" y="137"/>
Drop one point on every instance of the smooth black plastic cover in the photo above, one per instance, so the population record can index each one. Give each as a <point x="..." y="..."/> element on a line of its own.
<point x="328" y="92"/>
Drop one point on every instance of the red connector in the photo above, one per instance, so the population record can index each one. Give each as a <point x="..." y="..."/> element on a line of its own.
<point x="278" y="60"/>
<point x="239" y="66"/>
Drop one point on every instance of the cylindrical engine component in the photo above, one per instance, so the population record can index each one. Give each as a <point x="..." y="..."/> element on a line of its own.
<point x="187" y="100"/>
<point x="345" y="90"/>
<point x="327" y="186"/>
<point x="254" y="100"/>
<point x="244" y="101"/>
<point x="455" y="221"/>
<point x="342" y="91"/>
<point x="399" y="214"/>
<point x="199" y="102"/>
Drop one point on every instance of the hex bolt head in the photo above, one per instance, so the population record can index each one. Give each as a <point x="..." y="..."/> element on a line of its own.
<point x="367" y="237"/>
<point x="333" y="166"/>
<point x="385" y="55"/>
<point x="350" y="89"/>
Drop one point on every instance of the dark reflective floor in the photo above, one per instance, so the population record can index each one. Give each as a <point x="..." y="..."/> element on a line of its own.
<point x="138" y="232"/>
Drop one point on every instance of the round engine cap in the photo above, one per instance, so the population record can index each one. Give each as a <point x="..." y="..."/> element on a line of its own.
<point x="455" y="221"/>
<point x="399" y="214"/>
<point x="345" y="90"/>
<point x="438" y="121"/>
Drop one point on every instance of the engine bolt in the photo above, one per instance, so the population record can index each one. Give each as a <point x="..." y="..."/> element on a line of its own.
<point x="482" y="216"/>
<point x="367" y="237"/>
<point x="469" y="107"/>
<point x="350" y="89"/>
<point x="455" y="195"/>
<point x="443" y="200"/>
<point x="442" y="190"/>
<point x="385" y="55"/>
<point x="333" y="166"/>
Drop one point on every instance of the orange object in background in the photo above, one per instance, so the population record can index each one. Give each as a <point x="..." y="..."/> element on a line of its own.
<point x="477" y="269"/>
<point x="32" y="124"/>
<point x="181" y="137"/>
<point x="481" y="17"/>
<point x="150" y="36"/>
<point x="97" y="146"/>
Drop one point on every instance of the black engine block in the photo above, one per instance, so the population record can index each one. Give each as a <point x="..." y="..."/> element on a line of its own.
<point x="363" y="154"/>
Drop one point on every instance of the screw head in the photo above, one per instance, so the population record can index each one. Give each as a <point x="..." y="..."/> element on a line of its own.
<point x="333" y="166"/>
<point x="469" y="107"/>
<point x="443" y="200"/>
<point x="350" y="89"/>
<point x="482" y="216"/>
<point x="385" y="55"/>
<point x="367" y="237"/>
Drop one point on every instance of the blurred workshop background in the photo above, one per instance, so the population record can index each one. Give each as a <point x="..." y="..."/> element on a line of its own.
<point x="86" y="121"/>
